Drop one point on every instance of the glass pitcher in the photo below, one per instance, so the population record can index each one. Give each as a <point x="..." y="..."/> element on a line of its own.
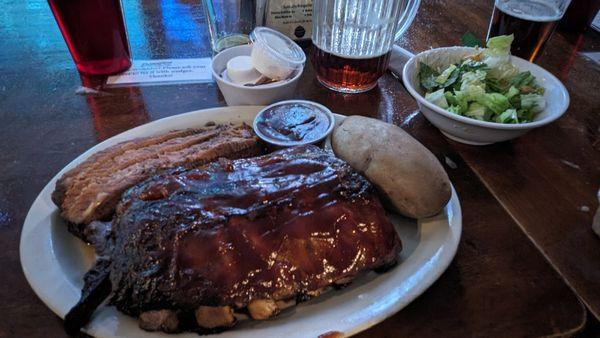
<point x="353" y="39"/>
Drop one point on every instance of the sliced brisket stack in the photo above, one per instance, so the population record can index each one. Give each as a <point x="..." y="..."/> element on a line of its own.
<point x="90" y="191"/>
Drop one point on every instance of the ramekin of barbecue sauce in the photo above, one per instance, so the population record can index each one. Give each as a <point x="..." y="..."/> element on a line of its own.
<point x="294" y="122"/>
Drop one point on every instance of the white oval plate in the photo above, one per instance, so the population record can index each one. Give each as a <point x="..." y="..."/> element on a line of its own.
<point x="54" y="261"/>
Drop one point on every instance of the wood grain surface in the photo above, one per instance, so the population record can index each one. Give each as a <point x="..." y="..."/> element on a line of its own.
<point x="548" y="180"/>
<point x="527" y="256"/>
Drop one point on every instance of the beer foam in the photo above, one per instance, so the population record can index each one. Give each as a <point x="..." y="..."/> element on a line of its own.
<point x="531" y="10"/>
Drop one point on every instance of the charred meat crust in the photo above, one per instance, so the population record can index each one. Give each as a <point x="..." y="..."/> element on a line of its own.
<point x="96" y="289"/>
<point x="92" y="190"/>
<point x="272" y="228"/>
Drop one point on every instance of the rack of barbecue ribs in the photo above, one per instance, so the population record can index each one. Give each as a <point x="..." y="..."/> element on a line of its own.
<point x="90" y="191"/>
<point x="194" y="249"/>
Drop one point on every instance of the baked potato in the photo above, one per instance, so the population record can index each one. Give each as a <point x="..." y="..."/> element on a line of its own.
<point x="408" y="175"/>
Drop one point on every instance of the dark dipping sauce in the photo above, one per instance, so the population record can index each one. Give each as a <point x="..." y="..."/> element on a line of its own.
<point x="293" y="123"/>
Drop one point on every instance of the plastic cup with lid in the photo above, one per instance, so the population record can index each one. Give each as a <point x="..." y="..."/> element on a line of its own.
<point x="275" y="55"/>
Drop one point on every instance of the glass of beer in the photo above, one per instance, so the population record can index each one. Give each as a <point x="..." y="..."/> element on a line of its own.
<point x="353" y="39"/>
<point x="94" y="31"/>
<point x="531" y="21"/>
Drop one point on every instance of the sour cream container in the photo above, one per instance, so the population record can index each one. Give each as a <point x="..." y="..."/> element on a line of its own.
<point x="275" y="55"/>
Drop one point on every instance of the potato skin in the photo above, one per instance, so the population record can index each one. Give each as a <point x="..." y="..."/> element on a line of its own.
<point x="404" y="171"/>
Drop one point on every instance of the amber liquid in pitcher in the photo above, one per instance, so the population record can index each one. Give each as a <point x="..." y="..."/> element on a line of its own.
<point x="351" y="74"/>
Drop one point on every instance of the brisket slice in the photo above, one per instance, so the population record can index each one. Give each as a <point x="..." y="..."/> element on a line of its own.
<point x="91" y="190"/>
<point x="274" y="227"/>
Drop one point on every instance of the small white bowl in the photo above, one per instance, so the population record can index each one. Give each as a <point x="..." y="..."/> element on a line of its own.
<point x="471" y="131"/>
<point x="238" y="95"/>
<point x="282" y="144"/>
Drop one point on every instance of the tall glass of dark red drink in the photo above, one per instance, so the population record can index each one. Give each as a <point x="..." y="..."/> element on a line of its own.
<point x="94" y="31"/>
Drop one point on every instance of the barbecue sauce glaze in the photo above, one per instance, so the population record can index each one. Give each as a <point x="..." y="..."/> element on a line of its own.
<point x="272" y="227"/>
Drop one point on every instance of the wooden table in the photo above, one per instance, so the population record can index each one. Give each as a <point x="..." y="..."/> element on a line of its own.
<point x="528" y="263"/>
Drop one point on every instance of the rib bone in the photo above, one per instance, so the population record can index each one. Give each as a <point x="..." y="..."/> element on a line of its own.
<point x="211" y="317"/>
<point x="159" y="320"/>
<point x="262" y="309"/>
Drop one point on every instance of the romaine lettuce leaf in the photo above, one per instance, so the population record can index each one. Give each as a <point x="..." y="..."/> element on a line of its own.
<point x="470" y="40"/>
<point x="478" y="111"/>
<point x="427" y="76"/>
<point x="526" y="84"/>
<point x="454" y="109"/>
<point x="534" y="102"/>
<point x="498" y="86"/>
<point x="525" y="115"/>
<point x="495" y="102"/>
<point x="469" y="65"/>
<point x="458" y="99"/>
<point x="508" y="116"/>
<point x="472" y="92"/>
<point x="512" y="91"/>
<point x="437" y="98"/>
<point x="442" y="78"/>
<point x="472" y="84"/>
<point x="475" y="77"/>
<point x="497" y="57"/>
<point x="499" y="45"/>
<point x="522" y="79"/>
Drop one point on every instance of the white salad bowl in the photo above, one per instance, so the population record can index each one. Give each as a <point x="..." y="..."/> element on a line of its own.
<point x="471" y="131"/>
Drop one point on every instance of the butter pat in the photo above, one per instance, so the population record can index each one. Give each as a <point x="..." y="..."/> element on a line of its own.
<point x="240" y="70"/>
